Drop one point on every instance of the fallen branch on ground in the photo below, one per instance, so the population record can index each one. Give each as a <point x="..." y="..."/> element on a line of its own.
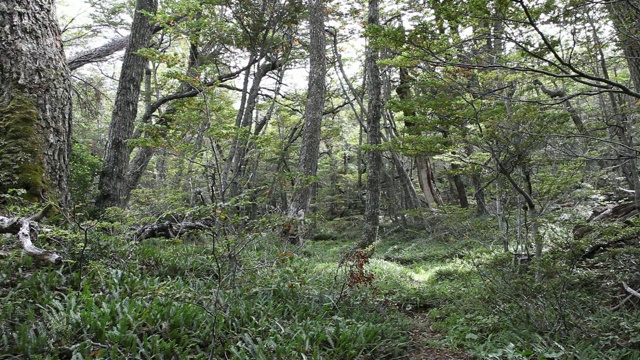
<point x="26" y="229"/>
<point x="630" y="290"/>
<point x="168" y="229"/>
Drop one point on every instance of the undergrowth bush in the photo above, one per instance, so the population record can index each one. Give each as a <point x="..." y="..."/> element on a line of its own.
<point x="561" y="307"/>
<point x="244" y="296"/>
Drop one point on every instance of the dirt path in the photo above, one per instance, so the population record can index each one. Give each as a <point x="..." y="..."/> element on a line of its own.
<point x="427" y="343"/>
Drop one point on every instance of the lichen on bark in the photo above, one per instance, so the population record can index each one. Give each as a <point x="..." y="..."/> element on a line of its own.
<point x="21" y="162"/>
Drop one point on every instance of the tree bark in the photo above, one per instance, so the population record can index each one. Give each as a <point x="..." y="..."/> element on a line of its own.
<point x="98" y="54"/>
<point x="309" y="151"/>
<point x="481" y="205"/>
<point x="34" y="87"/>
<point x="113" y="184"/>
<point x="625" y="15"/>
<point x="374" y="155"/>
<point x="461" y="190"/>
<point x="626" y="20"/>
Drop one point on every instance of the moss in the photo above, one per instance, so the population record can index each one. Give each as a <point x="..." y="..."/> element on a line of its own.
<point x="21" y="162"/>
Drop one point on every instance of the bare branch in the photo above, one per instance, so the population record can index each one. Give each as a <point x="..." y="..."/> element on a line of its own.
<point x="25" y="238"/>
<point x="26" y="230"/>
<point x="98" y="54"/>
<point x="630" y="290"/>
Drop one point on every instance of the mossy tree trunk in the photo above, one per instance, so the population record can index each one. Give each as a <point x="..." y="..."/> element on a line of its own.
<point x="35" y="101"/>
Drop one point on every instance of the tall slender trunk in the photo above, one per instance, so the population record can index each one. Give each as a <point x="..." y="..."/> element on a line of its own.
<point x="235" y="167"/>
<point x="374" y="155"/>
<point x="625" y="15"/>
<point x="622" y="129"/>
<point x="309" y="151"/>
<point x="626" y="20"/>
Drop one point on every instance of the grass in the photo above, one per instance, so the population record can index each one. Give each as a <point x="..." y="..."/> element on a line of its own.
<point x="168" y="299"/>
<point x="255" y="297"/>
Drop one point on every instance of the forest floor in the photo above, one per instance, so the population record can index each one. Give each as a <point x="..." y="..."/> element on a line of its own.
<point x="434" y="295"/>
<point x="428" y="343"/>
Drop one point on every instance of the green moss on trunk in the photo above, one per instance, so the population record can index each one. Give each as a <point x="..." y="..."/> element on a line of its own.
<point x="21" y="153"/>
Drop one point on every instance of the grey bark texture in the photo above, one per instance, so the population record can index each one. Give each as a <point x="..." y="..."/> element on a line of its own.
<point x="113" y="184"/>
<point x="309" y="151"/>
<point x="235" y="166"/>
<point x="625" y="15"/>
<point x="98" y="54"/>
<point x="33" y="67"/>
<point x="374" y="155"/>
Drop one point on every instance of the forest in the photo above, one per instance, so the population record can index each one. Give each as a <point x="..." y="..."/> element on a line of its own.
<point x="319" y="179"/>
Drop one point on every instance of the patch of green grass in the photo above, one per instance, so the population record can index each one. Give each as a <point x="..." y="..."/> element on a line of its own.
<point x="252" y="296"/>
<point x="167" y="299"/>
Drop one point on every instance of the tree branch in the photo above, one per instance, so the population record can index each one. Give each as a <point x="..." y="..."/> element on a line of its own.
<point x="630" y="290"/>
<point x="25" y="229"/>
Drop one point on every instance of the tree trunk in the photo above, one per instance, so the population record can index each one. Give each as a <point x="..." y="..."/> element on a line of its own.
<point x="626" y="20"/>
<point x="35" y="98"/>
<point x="427" y="181"/>
<point x="235" y="166"/>
<point x="113" y="184"/>
<point x="625" y="15"/>
<point x="623" y="127"/>
<point x="423" y="163"/>
<point x="481" y="205"/>
<point x="461" y="190"/>
<point x="374" y="156"/>
<point x="308" y="162"/>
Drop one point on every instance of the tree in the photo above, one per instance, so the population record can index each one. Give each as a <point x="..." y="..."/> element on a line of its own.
<point x="35" y="101"/>
<point x="113" y="182"/>
<point x="374" y="136"/>
<point x="625" y="16"/>
<point x="309" y="152"/>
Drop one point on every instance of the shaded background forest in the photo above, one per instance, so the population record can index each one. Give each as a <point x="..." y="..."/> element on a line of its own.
<point x="470" y="164"/>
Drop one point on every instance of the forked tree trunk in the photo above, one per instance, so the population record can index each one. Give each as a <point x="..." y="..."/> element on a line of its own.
<point x="35" y="92"/>
<point x="235" y="166"/>
<point x="113" y="184"/>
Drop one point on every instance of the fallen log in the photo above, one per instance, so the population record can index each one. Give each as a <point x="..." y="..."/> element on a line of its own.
<point x="620" y="213"/>
<point x="167" y="229"/>
<point x="26" y="229"/>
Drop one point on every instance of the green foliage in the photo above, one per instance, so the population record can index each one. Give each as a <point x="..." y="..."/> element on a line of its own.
<point x="84" y="168"/>
<point x="170" y="299"/>
<point x="498" y="309"/>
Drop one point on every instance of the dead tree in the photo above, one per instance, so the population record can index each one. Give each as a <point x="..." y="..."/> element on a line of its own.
<point x="26" y="228"/>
